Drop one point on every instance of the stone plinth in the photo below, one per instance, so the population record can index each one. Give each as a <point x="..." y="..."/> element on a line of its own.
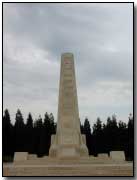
<point x="20" y="156"/>
<point x="88" y="169"/>
<point x="117" y="155"/>
<point x="32" y="156"/>
<point x="103" y="155"/>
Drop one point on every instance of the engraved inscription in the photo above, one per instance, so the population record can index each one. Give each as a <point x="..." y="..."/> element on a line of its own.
<point x="67" y="59"/>
<point x="67" y="139"/>
<point x="66" y="63"/>
<point x="68" y="93"/>
<point x="68" y="77"/>
<point x="67" y="113"/>
<point x="66" y="81"/>
<point x="68" y="74"/>
<point x="67" y="71"/>
<point x="68" y="86"/>
<point x="67" y="106"/>
<point x="67" y="100"/>
<point x="69" y="66"/>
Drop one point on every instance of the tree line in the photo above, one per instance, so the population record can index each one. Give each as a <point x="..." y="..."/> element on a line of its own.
<point x="110" y="136"/>
<point x="35" y="136"/>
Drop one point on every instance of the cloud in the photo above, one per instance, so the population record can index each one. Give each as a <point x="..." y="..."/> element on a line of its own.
<point x="99" y="35"/>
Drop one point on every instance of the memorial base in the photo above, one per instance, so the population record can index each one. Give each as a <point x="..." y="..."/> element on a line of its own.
<point x="91" y="166"/>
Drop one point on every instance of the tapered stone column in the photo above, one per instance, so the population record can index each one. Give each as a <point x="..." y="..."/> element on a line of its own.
<point x="68" y="141"/>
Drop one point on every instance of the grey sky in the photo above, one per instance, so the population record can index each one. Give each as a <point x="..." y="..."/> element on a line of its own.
<point x="100" y="37"/>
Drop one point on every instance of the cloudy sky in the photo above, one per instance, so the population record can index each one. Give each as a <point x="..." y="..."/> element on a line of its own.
<point x="99" y="36"/>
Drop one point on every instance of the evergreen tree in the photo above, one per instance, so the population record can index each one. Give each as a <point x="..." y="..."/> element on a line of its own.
<point x="36" y="139"/>
<point x="29" y="123"/>
<point x="99" y="137"/>
<point x="122" y="136"/>
<point x="97" y="127"/>
<point x="7" y="135"/>
<point x="87" y="128"/>
<point x="19" y="122"/>
<point x="38" y="135"/>
<point x="87" y="132"/>
<point x="130" y="148"/>
<point x="19" y="133"/>
<point x="6" y="119"/>
<point x="52" y="124"/>
<point x="46" y="120"/>
<point x="47" y="131"/>
<point x="81" y="128"/>
<point x="29" y="134"/>
<point x="39" y="122"/>
<point x="122" y="125"/>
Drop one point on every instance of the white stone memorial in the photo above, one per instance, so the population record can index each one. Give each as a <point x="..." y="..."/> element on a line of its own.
<point x="68" y="141"/>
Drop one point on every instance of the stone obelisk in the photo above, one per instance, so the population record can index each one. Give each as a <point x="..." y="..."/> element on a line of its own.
<point x="68" y="141"/>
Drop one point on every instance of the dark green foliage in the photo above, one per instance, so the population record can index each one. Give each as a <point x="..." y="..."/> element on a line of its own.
<point x="111" y="134"/>
<point x="29" y="134"/>
<point x="35" y="137"/>
<point x="38" y="130"/>
<point x="87" y="128"/>
<point x="52" y="124"/>
<point x="87" y="132"/>
<point x="29" y="123"/>
<point x="98" y="137"/>
<point x="7" y="136"/>
<point x="19" y="133"/>
<point x="6" y="117"/>
<point x="49" y="129"/>
<point x="82" y="128"/>
<point x="130" y="135"/>
<point x="19" y="122"/>
<point x="98" y="126"/>
<point x="30" y="137"/>
<point x="110" y="137"/>
<point x="8" y="158"/>
<point x="42" y="134"/>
